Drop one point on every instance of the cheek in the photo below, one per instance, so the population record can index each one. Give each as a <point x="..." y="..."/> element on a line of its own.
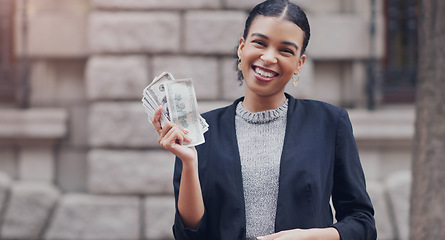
<point x="290" y="66"/>
<point x="294" y="66"/>
<point x="250" y="52"/>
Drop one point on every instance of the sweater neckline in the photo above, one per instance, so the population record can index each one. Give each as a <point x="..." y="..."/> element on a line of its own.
<point x="264" y="116"/>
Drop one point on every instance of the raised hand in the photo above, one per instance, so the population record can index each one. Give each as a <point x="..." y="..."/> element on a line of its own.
<point x="172" y="137"/>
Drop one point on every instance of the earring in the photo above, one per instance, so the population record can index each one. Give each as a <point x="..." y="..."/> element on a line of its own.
<point x="295" y="79"/>
<point x="239" y="64"/>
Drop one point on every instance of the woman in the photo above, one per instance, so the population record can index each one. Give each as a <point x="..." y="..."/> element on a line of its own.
<point x="271" y="163"/>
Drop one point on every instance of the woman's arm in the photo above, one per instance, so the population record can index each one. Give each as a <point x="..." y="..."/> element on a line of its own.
<point x="190" y="202"/>
<point x="353" y="208"/>
<point x="304" y="234"/>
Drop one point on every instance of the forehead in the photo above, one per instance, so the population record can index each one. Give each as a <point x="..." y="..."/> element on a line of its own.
<point x="277" y="28"/>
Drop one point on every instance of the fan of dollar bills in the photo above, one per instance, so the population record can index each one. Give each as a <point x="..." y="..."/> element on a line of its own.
<point x="179" y="105"/>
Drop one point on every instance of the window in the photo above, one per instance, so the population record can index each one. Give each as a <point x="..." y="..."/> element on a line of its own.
<point x="400" y="63"/>
<point x="7" y="56"/>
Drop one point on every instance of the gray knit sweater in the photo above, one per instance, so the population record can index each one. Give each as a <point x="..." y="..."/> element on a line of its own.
<point x="260" y="140"/>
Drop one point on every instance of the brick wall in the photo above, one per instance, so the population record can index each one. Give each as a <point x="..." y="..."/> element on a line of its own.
<point x="103" y="175"/>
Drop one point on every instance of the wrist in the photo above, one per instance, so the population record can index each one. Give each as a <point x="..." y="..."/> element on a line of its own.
<point x="190" y="166"/>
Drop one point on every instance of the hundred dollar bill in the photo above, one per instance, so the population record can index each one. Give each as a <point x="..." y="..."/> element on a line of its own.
<point x="150" y="110"/>
<point x="154" y="96"/>
<point x="204" y="124"/>
<point x="150" y="107"/>
<point x="183" y="109"/>
<point x="155" y="92"/>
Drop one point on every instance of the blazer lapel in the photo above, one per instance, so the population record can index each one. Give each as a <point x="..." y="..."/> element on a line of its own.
<point x="229" y="132"/>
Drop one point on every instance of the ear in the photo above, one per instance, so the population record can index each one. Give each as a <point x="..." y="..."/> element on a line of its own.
<point x="300" y="64"/>
<point x="241" y="44"/>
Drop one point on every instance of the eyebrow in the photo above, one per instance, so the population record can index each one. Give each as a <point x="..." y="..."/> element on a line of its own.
<point x="285" y="42"/>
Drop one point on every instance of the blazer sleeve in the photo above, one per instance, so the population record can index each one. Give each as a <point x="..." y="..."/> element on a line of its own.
<point x="354" y="211"/>
<point x="180" y="231"/>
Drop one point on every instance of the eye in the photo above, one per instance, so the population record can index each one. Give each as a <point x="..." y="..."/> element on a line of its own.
<point x="259" y="42"/>
<point x="287" y="50"/>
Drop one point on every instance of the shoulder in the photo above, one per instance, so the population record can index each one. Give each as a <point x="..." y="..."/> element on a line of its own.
<point x="314" y="108"/>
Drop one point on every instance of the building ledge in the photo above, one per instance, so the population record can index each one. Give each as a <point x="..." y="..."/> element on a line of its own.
<point x="385" y="125"/>
<point x="45" y="124"/>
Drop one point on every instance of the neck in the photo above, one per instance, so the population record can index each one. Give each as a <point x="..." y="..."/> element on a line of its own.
<point x="255" y="103"/>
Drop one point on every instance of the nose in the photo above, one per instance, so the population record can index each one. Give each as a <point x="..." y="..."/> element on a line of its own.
<point x="269" y="57"/>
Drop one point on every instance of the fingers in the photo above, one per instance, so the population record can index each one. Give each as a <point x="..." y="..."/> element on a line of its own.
<point x="162" y="131"/>
<point x="171" y="135"/>
<point x="157" y="119"/>
<point x="169" y="126"/>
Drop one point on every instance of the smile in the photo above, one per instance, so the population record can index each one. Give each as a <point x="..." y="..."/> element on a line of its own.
<point x="265" y="73"/>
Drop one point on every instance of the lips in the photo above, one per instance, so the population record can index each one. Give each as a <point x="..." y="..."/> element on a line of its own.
<point x="263" y="73"/>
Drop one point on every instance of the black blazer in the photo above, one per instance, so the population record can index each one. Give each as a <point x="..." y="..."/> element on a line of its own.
<point x="319" y="160"/>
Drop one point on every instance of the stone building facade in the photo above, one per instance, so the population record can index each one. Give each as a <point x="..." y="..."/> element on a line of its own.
<point x="82" y="161"/>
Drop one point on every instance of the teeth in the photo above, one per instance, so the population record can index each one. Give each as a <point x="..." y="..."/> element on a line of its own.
<point x="264" y="73"/>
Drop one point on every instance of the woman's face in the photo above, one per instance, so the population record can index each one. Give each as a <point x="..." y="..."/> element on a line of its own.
<point x="270" y="55"/>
